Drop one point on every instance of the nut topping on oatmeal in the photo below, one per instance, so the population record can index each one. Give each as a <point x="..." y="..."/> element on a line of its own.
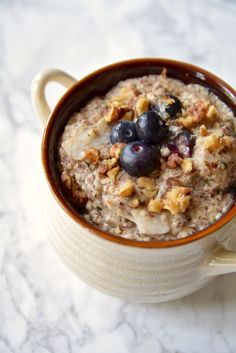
<point x="116" y="150"/>
<point x="187" y="165"/>
<point x="186" y="122"/>
<point x="214" y="142"/>
<point x="211" y="113"/>
<point x="106" y="165"/>
<point x="155" y="206"/>
<point x="142" y="105"/>
<point x="128" y="115"/>
<point x="112" y="173"/>
<point x="199" y="112"/>
<point x="174" y="161"/>
<point x="92" y="155"/>
<point x="115" y="113"/>
<point x="146" y="183"/>
<point x="203" y="130"/>
<point x="126" y="94"/>
<point x="134" y="203"/>
<point x="127" y="189"/>
<point x="177" y="200"/>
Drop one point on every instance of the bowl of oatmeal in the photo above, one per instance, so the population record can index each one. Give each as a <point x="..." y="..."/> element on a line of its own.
<point x="140" y="164"/>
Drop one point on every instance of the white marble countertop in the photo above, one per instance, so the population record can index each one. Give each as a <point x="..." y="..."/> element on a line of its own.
<point x="43" y="307"/>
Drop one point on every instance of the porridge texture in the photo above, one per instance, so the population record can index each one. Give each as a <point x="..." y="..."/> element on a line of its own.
<point x="191" y="165"/>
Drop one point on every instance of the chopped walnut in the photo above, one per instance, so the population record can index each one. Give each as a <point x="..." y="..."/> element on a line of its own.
<point x="148" y="194"/>
<point x="92" y="155"/>
<point x="187" y="165"/>
<point x="106" y="165"/>
<point x="116" y="149"/>
<point x="173" y="161"/>
<point x="128" y="115"/>
<point x="186" y="122"/>
<point x="126" y="94"/>
<point x="115" y="113"/>
<point x="127" y="189"/>
<point x="201" y="110"/>
<point x="211" y="113"/>
<point x="142" y="105"/>
<point x="155" y="206"/>
<point x="146" y="183"/>
<point x="216" y="143"/>
<point x="113" y="172"/>
<point x="203" y="130"/>
<point x="134" y="203"/>
<point x="177" y="200"/>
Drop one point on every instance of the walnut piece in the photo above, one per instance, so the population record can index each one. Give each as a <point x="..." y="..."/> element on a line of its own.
<point x="146" y="183"/>
<point x="127" y="189"/>
<point x="128" y="115"/>
<point x="115" y="113"/>
<point x="177" y="200"/>
<point x="134" y="203"/>
<point x="155" y="206"/>
<point x="142" y="105"/>
<point x="112" y="173"/>
<point x="116" y="149"/>
<point x="216" y="143"/>
<point x="187" y="165"/>
<point x="186" y="122"/>
<point x="203" y="130"/>
<point x="92" y="155"/>
<point x="126" y="94"/>
<point x="211" y="113"/>
<point x="106" y="165"/>
<point x="173" y="161"/>
<point x="200" y="111"/>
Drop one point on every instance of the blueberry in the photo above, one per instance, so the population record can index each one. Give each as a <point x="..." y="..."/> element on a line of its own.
<point x="139" y="158"/>
<point x="169" y="107"/>
<point x="123" y="131"/>
<point x="184" y="143"/>
<point x="150" y="127"/>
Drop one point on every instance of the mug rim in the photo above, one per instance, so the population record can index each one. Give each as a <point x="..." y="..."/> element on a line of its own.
<point x="228" y="216"/>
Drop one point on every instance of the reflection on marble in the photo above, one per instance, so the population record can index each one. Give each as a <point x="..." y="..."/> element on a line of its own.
<point x="43" y="307"/>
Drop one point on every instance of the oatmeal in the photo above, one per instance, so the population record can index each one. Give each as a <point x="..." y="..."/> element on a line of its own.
<point x="153" y="159"/>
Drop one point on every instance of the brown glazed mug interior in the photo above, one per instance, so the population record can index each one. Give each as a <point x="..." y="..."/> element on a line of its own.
<point x="98" y="83"/>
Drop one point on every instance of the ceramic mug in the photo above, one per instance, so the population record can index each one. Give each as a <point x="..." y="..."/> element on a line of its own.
<point x="135" y="270"/>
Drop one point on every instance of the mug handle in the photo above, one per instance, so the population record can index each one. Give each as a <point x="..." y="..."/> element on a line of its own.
<point x="38" y="87"/>
<point x="221" y="262"/>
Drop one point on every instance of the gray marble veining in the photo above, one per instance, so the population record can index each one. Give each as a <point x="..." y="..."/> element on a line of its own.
<point x="43" y="307"/>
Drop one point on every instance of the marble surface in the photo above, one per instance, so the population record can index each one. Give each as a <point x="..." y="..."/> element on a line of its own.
<point x="43" y="307"/>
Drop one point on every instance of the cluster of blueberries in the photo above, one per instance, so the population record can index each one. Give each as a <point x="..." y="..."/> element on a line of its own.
<point x="141" y="154"/>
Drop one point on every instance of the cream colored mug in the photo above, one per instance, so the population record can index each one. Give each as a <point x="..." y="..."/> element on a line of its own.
<point x="137" y="271"/>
